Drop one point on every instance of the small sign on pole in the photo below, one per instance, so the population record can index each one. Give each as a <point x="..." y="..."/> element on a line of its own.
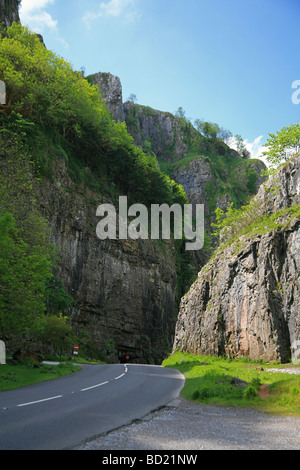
<point x="76" y="348"/>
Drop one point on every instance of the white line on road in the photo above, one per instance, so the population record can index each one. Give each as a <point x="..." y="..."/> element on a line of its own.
<point x="82" y="390"/>
<point x="39" y="401"/>
<point x="94" y="386"/>
<point x="120" y="376"/>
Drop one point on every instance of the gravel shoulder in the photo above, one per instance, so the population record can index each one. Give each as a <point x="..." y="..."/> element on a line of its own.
<point x="183" y="425"/>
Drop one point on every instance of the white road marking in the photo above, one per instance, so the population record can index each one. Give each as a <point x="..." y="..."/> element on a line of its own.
<point x="39" y="401"/>
<point x="120" y="376"/>
<point x="94" y="386"/>
<point x="82" y="390"/>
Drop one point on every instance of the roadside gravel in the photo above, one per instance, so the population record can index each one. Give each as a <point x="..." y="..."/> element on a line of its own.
<point x="188" y="426"/>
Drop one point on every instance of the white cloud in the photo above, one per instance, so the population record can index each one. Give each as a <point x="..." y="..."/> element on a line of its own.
<point x="256" y="148"/>
<point x="112" y="8"/>
<point x="34" y="15"/>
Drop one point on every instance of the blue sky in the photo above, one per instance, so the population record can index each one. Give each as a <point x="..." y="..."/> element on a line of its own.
<point x="227" y="61"/>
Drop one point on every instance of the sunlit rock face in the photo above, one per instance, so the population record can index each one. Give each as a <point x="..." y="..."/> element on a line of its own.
<point x="246" y="300"/>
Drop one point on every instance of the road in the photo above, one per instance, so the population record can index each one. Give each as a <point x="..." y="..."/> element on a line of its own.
<point x="63" y="413"/>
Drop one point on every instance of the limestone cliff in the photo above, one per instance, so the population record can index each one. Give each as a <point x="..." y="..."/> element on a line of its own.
<point x="9" y="12"/>
<point x="246" y="300"/>
<point x="210" y="172"/>
<point x="125" y="291"/>
<point x="111" y="93"/>
<point x="206" y="183"/>
<point x="166" y="135"/>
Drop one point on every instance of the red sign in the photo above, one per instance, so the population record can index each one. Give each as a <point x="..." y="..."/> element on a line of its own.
<point x="76" y="347"/>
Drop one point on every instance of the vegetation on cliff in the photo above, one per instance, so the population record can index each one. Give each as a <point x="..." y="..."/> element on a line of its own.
<point x="254" y="218"/>
<point x="52" y="113"/>
<point x="61" y="115"/>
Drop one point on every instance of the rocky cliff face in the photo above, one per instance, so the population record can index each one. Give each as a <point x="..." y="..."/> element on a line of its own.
<point x="9" y="12"/>
<point x="203" y="185"/>
<point x="246" y="300"/>
<point x="112" y="93"/>
<point x="163" y="133"/>
<point x="124" y="291"/>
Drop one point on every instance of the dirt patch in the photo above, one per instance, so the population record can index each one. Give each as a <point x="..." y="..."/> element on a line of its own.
<point x="264" y="391"/>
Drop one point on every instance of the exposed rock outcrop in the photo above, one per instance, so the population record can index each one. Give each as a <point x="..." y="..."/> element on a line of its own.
<point x="246" y="300"/>
<point x="204" y="185"/>
<point x="125" y="291"/>
<point x="112" y="93"/>
<point x="167" y="135"/>
<point x="9" y="12"/>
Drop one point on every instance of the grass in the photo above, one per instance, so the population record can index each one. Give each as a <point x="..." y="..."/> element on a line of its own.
<point x="208" y="382"/>
<point x="28" y="373"/>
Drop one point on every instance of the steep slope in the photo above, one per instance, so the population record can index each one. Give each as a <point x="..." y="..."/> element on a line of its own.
<point x="210" y="172"/>
<point x="9" y="12"/>
<point x="246" y="299"/>
<point x="125" y="292"/>
<point x="167" y="136"/>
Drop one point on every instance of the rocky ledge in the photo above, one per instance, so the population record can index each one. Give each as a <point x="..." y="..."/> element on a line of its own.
<point x="246" y="300"/>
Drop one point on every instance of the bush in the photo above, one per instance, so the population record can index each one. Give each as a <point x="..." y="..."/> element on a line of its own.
<point x="249" y="392"/>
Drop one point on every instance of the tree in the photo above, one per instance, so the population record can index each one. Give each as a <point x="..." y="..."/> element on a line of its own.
<point x="26" y="255"/>
<point x="212" y="130"/>
<point x="240" y="146"/>
<point x="60" y="114"/>
<point x="57" y="298"/>
<point x="180" y="113"/>
<point x="283" y="145"/>
<point x="132" y="98"/>
<point x="57" y="331"/>
<point x="23" y="276"/>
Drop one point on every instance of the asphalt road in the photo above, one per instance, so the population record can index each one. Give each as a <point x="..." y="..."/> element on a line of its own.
<point x="63" y="413"/>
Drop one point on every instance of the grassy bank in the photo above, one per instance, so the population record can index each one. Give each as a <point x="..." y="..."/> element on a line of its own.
<point x="28" y="373"/>
<point x="208" y="381"/>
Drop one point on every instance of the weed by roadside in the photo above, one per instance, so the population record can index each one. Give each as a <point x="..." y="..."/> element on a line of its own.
<point x="28" y="373"/>
<point x="226" y="382"/>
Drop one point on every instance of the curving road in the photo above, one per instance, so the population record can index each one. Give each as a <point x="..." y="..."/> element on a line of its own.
<point x="65" y="412"/>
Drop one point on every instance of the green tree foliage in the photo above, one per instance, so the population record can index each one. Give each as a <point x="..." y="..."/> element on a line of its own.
<point x="212" y="130"/>
<point x="53" y="112"/>
<point x="282" y="145"/>
<point x="56" y="330"/>
<point x="61" y="114"/>
<point x="26" y="255"/>
<point x="240" y="146"/>
<point x="180" y="113"/>
<point x="231" y="223"/>
<point x="132" y="98"/>
<point x="235" y="221"/>
<point x="23" y="275"/>
<point x="57" y="299"/>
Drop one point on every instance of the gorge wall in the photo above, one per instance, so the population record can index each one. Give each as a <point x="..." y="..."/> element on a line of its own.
<point x="9" y="12"/>
<point x="125" y="292"/>
<point x="210" y="172"/>
<point x="246" y="300"/>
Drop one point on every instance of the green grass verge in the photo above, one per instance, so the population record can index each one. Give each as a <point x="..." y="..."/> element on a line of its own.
<point x="20" y="375"/>
<point x="208" y="382"/>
